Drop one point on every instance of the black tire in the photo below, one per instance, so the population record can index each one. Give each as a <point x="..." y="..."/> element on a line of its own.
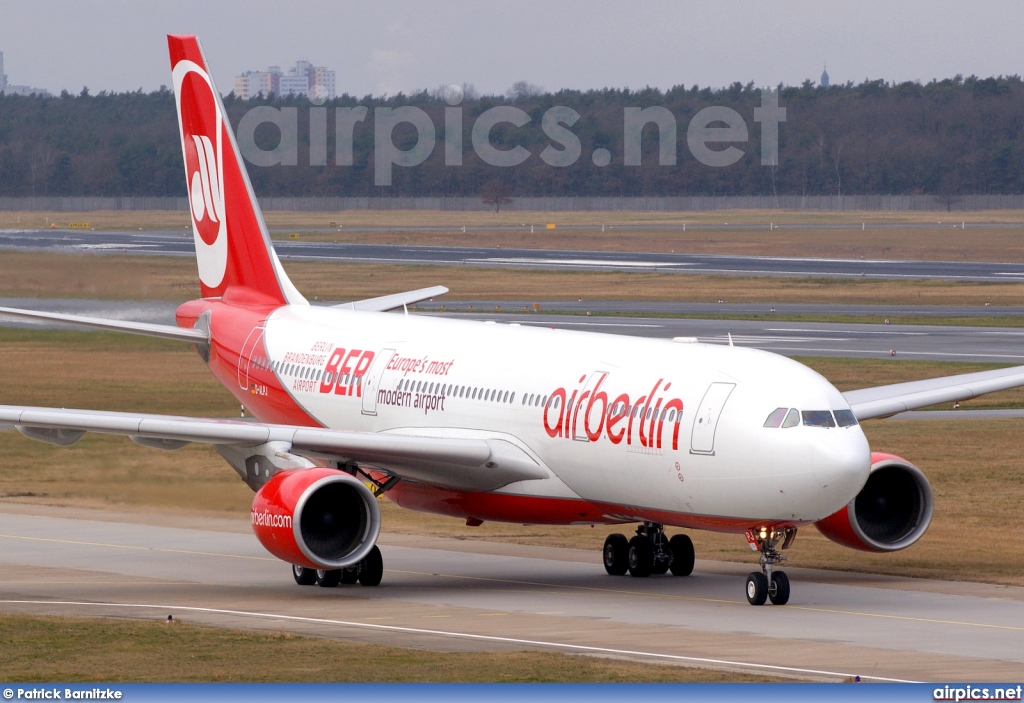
<point x="350" y="575"/>
<point x="659" y="567"/>
<point x="616" y="555"/>
<point x="303" y="576"/>
<point x="683" y="557"/>
<point x="641" y="557"/>
<point x="328" y="578"/>
<point x="779" y="594"/>
<point x="371" y="568"/>
<point x="757" y="588"/>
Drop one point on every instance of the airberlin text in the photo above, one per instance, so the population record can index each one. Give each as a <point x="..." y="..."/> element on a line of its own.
<point x="587" y="414"/>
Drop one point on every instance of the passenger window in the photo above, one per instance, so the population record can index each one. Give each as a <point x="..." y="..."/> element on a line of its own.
<point x="776" y="417"/>
<point x="845" y="418"/>
<point x="792" y="418"/>
<point x="818" y="418"/>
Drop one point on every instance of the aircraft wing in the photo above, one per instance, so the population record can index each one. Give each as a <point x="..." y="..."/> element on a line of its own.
<point x="882" y="401"/>
<point x="144" y="328"/>
<point x="395" y="300"/>
<point x="462" y="464"/>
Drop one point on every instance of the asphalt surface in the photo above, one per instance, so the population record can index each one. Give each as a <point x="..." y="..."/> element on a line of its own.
<point x="931" y="342"/>
<point x="180" y="243"/>
<point x="458" y="595"/>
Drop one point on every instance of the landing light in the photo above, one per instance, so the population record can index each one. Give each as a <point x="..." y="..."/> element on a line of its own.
<point x="764" y="532"/>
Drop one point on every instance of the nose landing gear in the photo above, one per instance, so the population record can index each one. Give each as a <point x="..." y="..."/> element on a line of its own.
<point x="769" y="584"/>
<point x="649" y="552"/>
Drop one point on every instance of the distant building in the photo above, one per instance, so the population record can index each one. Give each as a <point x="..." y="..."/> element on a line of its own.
<point x="301" y="79"/>
<point x="824" y="78"/>
<point x="8" y="89"/>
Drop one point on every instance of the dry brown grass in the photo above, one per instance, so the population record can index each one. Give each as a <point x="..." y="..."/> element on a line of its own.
<point x="43" y="274"/>
<point x="974" y="466"/>
<point x="47" y="649"/>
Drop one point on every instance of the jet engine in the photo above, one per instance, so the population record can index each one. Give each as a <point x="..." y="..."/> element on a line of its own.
<point x="317" y="518"/>
<point x="891" y="512"/>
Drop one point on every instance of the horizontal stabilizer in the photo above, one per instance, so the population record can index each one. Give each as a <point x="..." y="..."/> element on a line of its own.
<point x="144" y="328"/>
<point x="395" y="300"/>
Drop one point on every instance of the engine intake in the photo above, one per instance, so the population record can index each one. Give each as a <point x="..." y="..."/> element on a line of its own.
<point x="890" y="513"/>
<point x="317" y="518"/>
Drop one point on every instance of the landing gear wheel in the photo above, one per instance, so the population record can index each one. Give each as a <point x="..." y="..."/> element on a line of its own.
<point x="641" y="557"/>
<point x="350" y="575"/>
<point x="371" y="568"/>
<point x="328" y="578"/>
<point x="659" y="567"/>
<point x="757" y="588"/>
<point x="778" y="594"/>
<point x="616" y="555"/>
<point x="683" y="557"/>
<point x="303" y="576"/>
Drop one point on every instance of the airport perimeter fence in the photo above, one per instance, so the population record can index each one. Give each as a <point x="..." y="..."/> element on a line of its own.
<point x="823" y="203"/>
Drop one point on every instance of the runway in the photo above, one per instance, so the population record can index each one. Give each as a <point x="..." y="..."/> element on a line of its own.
<point x="179" y="243"/>
<point x="930" y="342"/>
<point x="466" y="596"/>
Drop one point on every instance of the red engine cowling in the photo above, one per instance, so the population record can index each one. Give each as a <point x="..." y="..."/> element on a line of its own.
<point x="316" y="518"/>
<point x="891" y="512"/>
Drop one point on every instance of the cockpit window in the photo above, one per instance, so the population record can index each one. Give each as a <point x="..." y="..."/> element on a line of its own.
<point x="845" y="418"/>
<point x="792" y="418"/>
<point x="776" y="417"/>
<point x="818" y="418"/>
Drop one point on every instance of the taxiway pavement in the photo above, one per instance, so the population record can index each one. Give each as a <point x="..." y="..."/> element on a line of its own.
<point x="180" y="243"/>
<point x="463" y="595"/>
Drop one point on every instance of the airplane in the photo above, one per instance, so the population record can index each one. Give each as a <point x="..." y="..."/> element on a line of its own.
<point x="502" y="422"/>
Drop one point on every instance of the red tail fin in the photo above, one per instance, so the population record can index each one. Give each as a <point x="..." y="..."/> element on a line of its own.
<point x="232" y="244"/>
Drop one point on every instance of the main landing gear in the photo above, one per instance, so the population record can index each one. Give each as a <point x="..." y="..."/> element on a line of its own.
<point x="649" y="552"/>
<point x="368" y="572"/>
<point x="769" y="584"/>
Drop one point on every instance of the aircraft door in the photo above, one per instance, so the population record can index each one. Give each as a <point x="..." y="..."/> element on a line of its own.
<point x="702" y="439"/>
<point x="251" y="343"/>
<point x="371" y="380"/>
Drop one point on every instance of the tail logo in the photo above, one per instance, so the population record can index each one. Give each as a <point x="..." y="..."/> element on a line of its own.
<point x="202" y="126"/>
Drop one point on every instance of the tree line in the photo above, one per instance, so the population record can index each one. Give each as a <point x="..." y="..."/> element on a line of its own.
<point x="948" y="137"/>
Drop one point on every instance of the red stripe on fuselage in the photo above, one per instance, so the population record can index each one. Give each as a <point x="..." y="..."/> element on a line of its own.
<point x="535" y="510"/>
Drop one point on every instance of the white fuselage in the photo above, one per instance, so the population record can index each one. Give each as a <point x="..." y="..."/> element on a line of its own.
<point x="693" y="441"/>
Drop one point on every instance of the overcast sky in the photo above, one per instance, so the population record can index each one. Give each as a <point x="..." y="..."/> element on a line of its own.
<point x="387" y="47"/>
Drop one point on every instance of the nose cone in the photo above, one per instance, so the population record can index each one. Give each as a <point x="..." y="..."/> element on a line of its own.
<point x="841" y="462"/>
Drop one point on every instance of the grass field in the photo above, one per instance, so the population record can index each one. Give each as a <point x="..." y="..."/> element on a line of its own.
<point x="48" y="649"/>
<point x="974" y="466"/>
<point x="42" y="274"/>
